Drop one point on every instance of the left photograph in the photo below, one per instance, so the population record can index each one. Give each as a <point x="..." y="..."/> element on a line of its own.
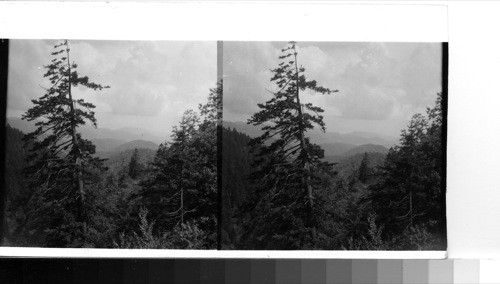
<point x="111" y="144"/>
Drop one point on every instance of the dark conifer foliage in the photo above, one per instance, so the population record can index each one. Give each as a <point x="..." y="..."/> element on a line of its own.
<point x="370" y="201"/>
<point x="174" y="173"/>
<point x="147" y="199"/>
<point x="180" y="192"/>
<point x="62" y="195"/>
<point x="60" y="159"/>
<point x="289" y="166"/>
<point x="236" y="188"/>
<point x="15" y="187"/>
<point x="363" y="169"/>
<point x="16" y="159"/>
<point x="408" y="197"/>
<point x="280" y="193"/>
<point x="134" y="167"/>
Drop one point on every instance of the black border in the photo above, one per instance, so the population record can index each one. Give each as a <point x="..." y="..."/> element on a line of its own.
<point x="444" y="139"/>
<point x="4" y="70"/>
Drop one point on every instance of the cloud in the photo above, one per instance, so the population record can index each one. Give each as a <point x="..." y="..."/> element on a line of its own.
<point x="151" y="75"/>
<point x="247" y="73"/>
<point x="153" y="82"/>
<point x="384" y="82"/>
<point x="368" y="87"/>
<point x="374" y="83"/>
<point x="421" y="73"/>
<point x="150" y="80"/>
<point x="26" y="60"/>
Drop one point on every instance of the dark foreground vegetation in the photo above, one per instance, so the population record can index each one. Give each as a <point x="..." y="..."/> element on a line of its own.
<point x="280" y="193"/>
<point x="61" y="194"/>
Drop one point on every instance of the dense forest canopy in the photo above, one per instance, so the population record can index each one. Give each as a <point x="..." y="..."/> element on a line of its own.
<point x="275" y="182"/>
<point x="135" y="194"/>
<point x="281" y="192"/>
<point x="61" y="162"/>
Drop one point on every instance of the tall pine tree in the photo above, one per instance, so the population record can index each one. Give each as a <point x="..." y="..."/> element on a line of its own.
<point x="408" y="197"/>
<point x="134" y="166"/>
<point x="182" y="188"/>
<point x="60" y="159"/>
<point x="363" y="171"/>
<point x="288" y="163"/>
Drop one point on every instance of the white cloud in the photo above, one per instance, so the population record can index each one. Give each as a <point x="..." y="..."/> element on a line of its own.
<point x="246" y="70"/>
<point x="151" y="81"/>
<point x="379" y="83"/>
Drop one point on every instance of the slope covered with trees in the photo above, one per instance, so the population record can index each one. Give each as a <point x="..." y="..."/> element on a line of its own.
<point x="236" y="188"/>
<point x="288" y="168"/>
<point x="61" y="160"/>
<point x="138" y="195"/>
<point x="280" y="192"/>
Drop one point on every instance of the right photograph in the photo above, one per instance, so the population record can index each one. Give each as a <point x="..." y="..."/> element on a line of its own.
<point x="333" y="146"/>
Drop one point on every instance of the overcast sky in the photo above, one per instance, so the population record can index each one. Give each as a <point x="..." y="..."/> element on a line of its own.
<point x="152" y="82"/>
<point x="381" y="85"/>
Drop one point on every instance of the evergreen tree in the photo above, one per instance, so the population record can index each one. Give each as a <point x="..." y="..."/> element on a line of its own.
<point x="236" y="188"/>
<point x="122" y="178"/>
<point x="182" y="187"/>
<point x="14" y="185"/>
<point x="60" y="159"/>
<point x="288" y="162"/>
<point x="134" y="166"/>
<point x="408" y="196"/>
<point x="176" y="164"/>
<point x="364" y="169"/>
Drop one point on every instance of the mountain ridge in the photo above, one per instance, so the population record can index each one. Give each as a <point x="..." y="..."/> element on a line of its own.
<point x="126" y="134"/>
<point x="356" y="138"/>
<point x="127" y="146"/>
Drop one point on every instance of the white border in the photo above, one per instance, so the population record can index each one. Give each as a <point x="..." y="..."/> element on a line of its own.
<point x="314" y="21"/>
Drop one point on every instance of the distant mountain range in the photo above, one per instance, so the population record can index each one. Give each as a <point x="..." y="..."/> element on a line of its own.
<point x="105" y="139"/>
<point x="107" y="144"/>
<point x="366" y="148"/>
<point x="341" y="140"/>
<point x="337" y="154"/>
<point x="125" y="134"/>
<point x="117" y="161"/>
<point x="336" y="148"/>
<point x="344" y="149"/>
<point x="136" y="144"/>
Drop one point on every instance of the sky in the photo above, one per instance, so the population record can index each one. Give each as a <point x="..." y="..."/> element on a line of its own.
<point x="381" y="85"/>
<point x="151" y="83"/>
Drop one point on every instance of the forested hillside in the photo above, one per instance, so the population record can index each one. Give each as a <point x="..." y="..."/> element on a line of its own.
<point x="236" y="188"/>
<point x="365" y="202"/>
<point x="118" y="161"/>
<point x="15" y="158"/>
<point x="281" y="192"/>
<point x="329" y="138"/>
<point x="350" y="178"/>
<point x="121" y="213"/>
<point x="103" y="138"/>
<point x="133" y="193"/>
<point x="306" y="166"/>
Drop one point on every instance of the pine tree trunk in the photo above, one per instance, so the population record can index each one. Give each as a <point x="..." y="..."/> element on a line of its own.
<point x="307" y="169"/>
<point x="181" y="183"/>
<point x="78" y="162"/>
<point x="182" y="205"/>
<point x="411" y="209"/>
